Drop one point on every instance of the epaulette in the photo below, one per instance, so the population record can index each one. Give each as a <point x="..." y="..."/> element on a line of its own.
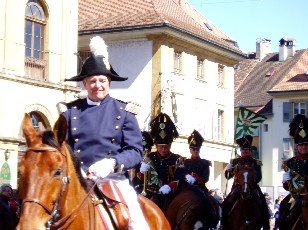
<point x="259" y="162"/>
<point x="132" y="107"/>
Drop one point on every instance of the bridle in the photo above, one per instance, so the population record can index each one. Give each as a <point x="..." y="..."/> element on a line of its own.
<point x="54" y="213"/>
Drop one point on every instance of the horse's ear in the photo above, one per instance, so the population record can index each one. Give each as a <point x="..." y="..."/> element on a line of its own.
<point x="60" y="129"/>
<point x="28" y="129"/>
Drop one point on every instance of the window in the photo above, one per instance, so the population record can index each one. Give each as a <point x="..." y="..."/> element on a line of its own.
<point x="265" y="128"/>
<point x="37" y="121"/>
<point x="220" y="75"/>
<point x="34" y="34"/>
<point x="286" y="148"/>
<point x="299" y="108"/>
<point x="200" y="70"/>
<point x="177" y="62"/>
<point x="220" y="121"/>
<point x="35" y="23"/>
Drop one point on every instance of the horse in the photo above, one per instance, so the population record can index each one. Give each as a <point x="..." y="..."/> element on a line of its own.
<point x="193" y="209"/>
<point x="245" y="213"/>
<point x="304" y="214"/>
<point x="53" y="191"/>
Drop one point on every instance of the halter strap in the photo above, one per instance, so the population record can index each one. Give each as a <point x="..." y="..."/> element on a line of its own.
<point x="34" y="200"/>
<point x="42" y="148"/>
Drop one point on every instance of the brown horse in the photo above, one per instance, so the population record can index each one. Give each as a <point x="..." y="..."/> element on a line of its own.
<point x="305" y="206"/>
<point x="53" y="192"/>
<point x="245" y="213"/>
<point x="192" y="209"/>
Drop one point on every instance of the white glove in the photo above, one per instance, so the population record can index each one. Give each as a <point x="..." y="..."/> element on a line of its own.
<point x="144" y="167"/>
<point x="103" y="167"/>
<point x="229" y="167"/>
<point x="165" y="189"/>
<point x="286" y="176"/>
<point x="190" y="179"/>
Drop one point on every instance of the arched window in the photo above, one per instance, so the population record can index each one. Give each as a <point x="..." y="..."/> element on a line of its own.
<point x="38" y="121"/>
<point x="35" y="65"/>
<point x="34" y="34"/>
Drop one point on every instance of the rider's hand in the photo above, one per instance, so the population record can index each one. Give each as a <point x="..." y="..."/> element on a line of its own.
<point x="103" y="167"/>
<point x="190" y="179"/>
<point x="165" y="189"/>
<point x="144" y="167"/>
<point x="286" y="176"/>
<point x="229" y="167"/>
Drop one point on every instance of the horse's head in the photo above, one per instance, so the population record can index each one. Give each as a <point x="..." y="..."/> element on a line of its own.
<point x="43" y="173"/>
<point x="246" y="178"/>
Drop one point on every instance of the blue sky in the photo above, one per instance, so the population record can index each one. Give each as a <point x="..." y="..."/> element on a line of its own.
<point x="246" y="20"/>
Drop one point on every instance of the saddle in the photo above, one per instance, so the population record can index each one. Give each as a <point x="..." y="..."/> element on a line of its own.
<point x="116" y="204"/>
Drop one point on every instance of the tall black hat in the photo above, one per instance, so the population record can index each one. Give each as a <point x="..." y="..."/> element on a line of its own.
<point x="147" y="141"/>
<point x="195" y="139"/>
<point x="245" y="142"/>
<point x="163" y="130"/>
<point x="97" y="63"/>
<point x="298" y="129"/>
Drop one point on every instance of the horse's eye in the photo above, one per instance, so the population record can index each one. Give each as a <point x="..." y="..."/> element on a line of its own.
<point x="58" y="172"/>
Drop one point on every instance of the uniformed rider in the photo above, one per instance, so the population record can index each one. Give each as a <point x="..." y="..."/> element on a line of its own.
<point x="231" y="170"/>
<point x="104" y="131"/>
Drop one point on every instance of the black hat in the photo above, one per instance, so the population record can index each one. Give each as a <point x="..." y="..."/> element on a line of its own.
<point x="195" y="139"/>
<point x="147" y="141"/>
<point x="245" y="142"/>
<point x="298" y="129"/>
<point x="97" y="63"/>
<point x="163" y="130"/>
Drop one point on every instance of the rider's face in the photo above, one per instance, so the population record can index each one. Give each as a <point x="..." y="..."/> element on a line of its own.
<point x="303" y="150"/>
<point x="246" y="152"/>
<point x="164" y="150"/>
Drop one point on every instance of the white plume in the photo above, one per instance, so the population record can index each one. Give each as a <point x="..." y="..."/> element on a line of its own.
<point x="98" y="47"/>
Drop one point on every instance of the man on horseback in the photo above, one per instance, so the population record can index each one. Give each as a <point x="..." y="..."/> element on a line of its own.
<point x="197" y="170"/>
<point x="293" y="177"/>
<point x="231" y="171"/>
<point x="104" y="132"/>
<point x="162" y="167"/>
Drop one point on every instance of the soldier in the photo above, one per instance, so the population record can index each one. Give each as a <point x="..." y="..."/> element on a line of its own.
<point x="293" y="177"/>
<point x="197" y="170"/>
<point x="103" y="131"/>
<point x="245" y="159"/>
<point x="162" y="169"/>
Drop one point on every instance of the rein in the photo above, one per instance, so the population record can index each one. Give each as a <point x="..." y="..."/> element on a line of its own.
<point x="62" y="223"/>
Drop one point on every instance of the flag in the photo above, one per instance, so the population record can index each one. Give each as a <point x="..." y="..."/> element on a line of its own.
<point x="247" y="122"/>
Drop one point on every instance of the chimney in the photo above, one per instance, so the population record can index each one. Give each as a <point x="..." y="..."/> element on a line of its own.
<point x="286" y="48"/>
<point x="263" y="47"/>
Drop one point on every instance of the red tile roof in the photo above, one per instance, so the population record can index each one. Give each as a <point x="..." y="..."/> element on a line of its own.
<point x="132" y="14"/>
<point x="252" y="83"/>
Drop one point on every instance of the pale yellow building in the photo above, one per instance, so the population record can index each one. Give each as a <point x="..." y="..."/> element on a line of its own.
<point x="38" y="42"/>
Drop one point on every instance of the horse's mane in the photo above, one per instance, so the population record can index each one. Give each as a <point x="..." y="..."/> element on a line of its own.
<point x="48" y="138"/>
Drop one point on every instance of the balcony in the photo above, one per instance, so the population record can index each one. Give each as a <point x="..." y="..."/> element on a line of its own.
<point x="35" y="69"/>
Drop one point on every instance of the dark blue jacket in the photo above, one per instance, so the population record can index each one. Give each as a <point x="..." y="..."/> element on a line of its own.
<point x="104" y="131"/>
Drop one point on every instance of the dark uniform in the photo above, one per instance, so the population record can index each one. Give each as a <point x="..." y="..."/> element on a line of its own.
<point x="296" y="167"/>
<point x="199" y="169"/>
<point x="244" y="142"/>
<point x="104" y="131"/>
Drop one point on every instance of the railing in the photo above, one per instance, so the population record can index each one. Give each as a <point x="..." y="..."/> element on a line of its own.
<point x="35" y="69"/>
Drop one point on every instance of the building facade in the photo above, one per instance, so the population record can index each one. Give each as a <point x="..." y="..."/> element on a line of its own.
<point x="38" y="43"/>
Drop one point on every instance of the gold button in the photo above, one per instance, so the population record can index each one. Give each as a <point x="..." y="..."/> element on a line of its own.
<point x="118" y="117"/>
<point x="76" y="140"/>
<point x="117" y="127"/>
<point x="121" y="107"/>
<point x="113" y="140"/>
<point x="74" y="118"/>
<point x="74" y="129"/>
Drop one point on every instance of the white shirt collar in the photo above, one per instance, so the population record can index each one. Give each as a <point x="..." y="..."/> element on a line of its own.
<point x="90" y="102"/>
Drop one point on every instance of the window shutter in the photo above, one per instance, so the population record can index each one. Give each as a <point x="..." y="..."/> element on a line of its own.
<point x="286" y="111"/>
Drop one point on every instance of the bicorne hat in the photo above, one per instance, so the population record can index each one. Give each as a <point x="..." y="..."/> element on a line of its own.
<point x="163" y="130"/>
<point x="245" y="142"/>
<point x="97" y="63"/>
<point x="147" y="141"/>
<point x="298" y="129"/>
<point x="195" y="139"/>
